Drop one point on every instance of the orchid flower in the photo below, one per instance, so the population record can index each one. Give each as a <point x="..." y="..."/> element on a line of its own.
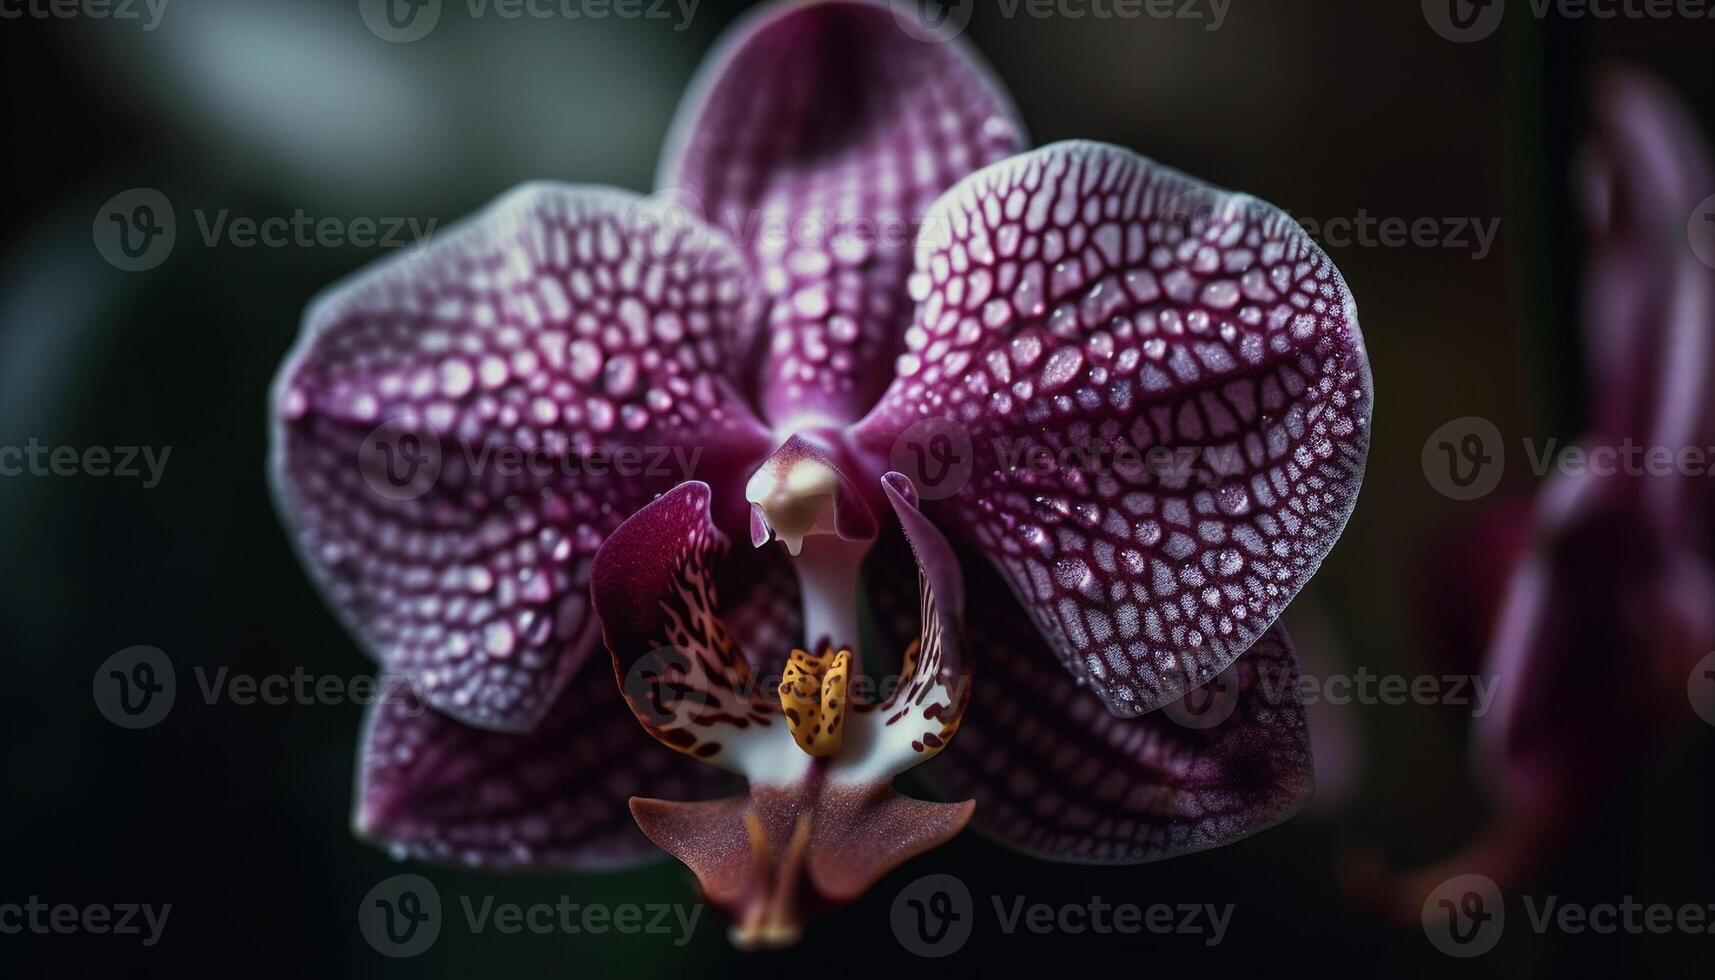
<point x="1611" y="599"/>
<point x="1065" y="297"/>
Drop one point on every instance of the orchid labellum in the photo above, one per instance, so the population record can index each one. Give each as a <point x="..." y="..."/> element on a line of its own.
<point x="827" y="381"/>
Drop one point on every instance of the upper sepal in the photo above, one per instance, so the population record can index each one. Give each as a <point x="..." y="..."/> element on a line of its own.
<point x="816" y="136"/>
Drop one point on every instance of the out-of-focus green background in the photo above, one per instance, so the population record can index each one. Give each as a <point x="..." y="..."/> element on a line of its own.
<point x="239" y="815"/>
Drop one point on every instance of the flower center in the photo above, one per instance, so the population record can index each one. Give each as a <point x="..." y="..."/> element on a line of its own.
<point x="795" y="500"/>
<point x="794" y="497"/>
<point x="813" y="697"/>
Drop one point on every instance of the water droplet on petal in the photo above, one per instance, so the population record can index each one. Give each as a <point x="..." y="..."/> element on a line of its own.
<point x="498" y="639"/>
<point x="1062" y="367"/>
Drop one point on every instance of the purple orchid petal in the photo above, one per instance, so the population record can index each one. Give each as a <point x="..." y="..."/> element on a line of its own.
<point x="458" y="429"/>
<point x="1613" y="602"/>
<point x="1597" y="622"/>
<point x="928" y="704"/>
<point x="687" y="683"/>
<point x="1054" y="774"/>
<point x="1082" y="298"/>
<point x="1649" y="301"/>
<point x="776" y="857"/>
<point x="555" y="798"/>
<point x="761" y="606"/>
<point x="817" y="136"/>
<point x="1621" y="562"/>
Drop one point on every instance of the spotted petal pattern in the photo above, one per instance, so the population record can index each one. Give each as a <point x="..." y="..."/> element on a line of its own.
<point x="693" y="689"/>
<point x="816" y="137"/>
<point x="1167" y="402"/>
<point x="459" y="428"/>
<point x="687" y="683"/>
<point x="557" y="797"/>
<point x="923" y="712"/>
<point x="1055" y="774"/>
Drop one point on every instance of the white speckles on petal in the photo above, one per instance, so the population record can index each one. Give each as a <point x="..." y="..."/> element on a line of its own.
<point x="1167" y="413"/>
<point x="546" y="334"/>
<point x="1062" y="367"/>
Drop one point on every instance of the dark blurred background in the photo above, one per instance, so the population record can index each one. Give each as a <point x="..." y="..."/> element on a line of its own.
<point x="239" y="815"/>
